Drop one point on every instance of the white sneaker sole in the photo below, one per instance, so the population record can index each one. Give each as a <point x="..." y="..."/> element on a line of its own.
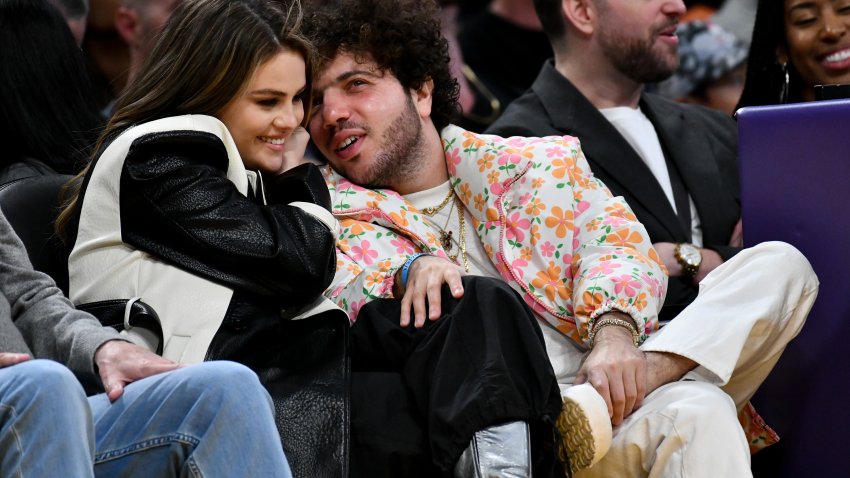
<point x="584" y="426"/>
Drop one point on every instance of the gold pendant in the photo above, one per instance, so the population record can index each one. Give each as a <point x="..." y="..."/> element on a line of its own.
<point x="446" y="240"/>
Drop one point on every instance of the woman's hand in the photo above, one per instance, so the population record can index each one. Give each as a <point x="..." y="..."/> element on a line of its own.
<point x="425" y="279"/>
<point x="293" y="151"/>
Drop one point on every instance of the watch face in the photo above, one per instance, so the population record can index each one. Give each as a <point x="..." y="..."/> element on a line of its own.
<point x="690" y="254"/>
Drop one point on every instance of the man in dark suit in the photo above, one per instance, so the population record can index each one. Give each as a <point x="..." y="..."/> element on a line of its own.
<point x="675" y="164"/>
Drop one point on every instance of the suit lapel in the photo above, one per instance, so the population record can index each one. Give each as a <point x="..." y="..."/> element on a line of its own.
<point x="690" y="149"/>
<point x="610" y="156"/>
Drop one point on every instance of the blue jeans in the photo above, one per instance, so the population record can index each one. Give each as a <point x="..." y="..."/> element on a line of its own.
<point x="208" y="420"/>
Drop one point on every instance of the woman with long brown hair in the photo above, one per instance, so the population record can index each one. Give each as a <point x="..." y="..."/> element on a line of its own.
<point x="196" y="207"/>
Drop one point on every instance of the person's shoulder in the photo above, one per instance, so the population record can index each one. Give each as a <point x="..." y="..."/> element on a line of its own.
<point x="525" y="116"/>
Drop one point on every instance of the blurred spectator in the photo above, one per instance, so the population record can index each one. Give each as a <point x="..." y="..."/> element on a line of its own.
<point x="737" y="17"/>
<point x="712" y="68"/>
<point x="107" y="55"/>
<point x="502" y="48"/>
<point x="796" y="45"/>
<point x="75" y="13"/>
<point x="139" y="23"/>
<point x="47" y="115"/>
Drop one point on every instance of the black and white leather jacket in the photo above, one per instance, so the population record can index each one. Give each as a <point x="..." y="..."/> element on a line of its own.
<point x="169" y="215"/>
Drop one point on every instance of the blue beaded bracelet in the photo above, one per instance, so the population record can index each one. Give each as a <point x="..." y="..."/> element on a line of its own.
<point x="406" y="267"/>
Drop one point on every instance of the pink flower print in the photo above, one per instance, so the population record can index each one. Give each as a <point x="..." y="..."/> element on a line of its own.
<point x="518" y="265"/>
<point x="363" y="253"/>
<point x="516" y="224"/>
<point x="656" y="287"/>
<point x="581" y="207"/>
<point x="355" y="309"/>
<point x="614" y="221"/>
<point x="496" y="189"/>
<point x="452" y="161"/>
<point x="523" y="200"/>
<point x="603" y="269"/>
<point x="402" y="246"/>
<point x="624" y="284"/>
<point x="510" y="157"/>
<point x="555" y="151"/>
<point x="517" y="142"/>
<point x="547" y="249"/>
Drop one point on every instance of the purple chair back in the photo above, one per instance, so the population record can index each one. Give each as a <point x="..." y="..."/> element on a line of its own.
<point x="795" y="187"/>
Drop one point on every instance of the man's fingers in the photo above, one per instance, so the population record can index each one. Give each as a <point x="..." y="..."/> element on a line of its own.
<point x="453" y="279"/>
<point x="406" y="303"/>
<point x="630" y="392"/>
<point x="600" y="383"/>
<point x="435" y="298"/>
<point x="618" y="398"/>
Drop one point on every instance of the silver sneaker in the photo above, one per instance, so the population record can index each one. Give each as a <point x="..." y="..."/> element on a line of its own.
<point x="502" y="451"/>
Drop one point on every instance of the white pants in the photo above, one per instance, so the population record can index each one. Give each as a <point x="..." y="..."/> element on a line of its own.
<point x="747" y="311"/>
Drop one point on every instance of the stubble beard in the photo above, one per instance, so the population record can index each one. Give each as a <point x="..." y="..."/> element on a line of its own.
<point x="400" y="157"/>
<point x="636" y="58"/>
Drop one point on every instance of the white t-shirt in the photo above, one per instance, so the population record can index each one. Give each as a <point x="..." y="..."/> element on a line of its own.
<point x="641" y="135"/>
<point x="564" y="354"/>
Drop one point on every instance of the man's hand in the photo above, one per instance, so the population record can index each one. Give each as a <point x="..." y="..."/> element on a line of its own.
<point x="425" y="279"/>
<point x="7" y="359"/>
<point x="617" y="370"/>
<point x="293" y="149"/>
<point x="121" y="363"/>
<point x="667" y="251"/>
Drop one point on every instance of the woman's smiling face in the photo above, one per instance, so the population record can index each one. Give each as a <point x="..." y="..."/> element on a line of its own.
<point x="267" y="110"/>
<point x="818" y="42"/>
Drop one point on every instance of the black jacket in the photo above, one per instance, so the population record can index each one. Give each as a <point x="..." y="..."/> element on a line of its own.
<point x="701" y="143"/>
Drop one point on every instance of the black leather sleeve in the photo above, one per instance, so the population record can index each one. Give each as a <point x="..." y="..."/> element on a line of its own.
<point x="177" y="204"/>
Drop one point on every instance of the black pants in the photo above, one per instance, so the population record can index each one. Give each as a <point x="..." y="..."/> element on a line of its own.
<point x="418" y="395"/>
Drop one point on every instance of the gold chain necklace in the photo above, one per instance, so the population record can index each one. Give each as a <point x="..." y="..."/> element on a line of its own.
<point x="430" y="211"/>
<point x="446" y="236"/>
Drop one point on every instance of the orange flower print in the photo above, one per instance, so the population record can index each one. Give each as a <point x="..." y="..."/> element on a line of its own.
<point x="342" y="245"/>
<point x="479" y="202"/>
<point x="624" y="238"/>
<point x="485" y="162"/>
<point x="561" y="220"/>
<point x="400" y="219"/>
<point x="593" y="225"/>
<point x="620" y="210"/>
<point x="525" y="253"/>
<point x="493" y="177"/>
<point x="551" y="282"/>
<point x="465" y="193"/>
<point x="492" y="214"/>
<point x="384" y="266"/>
<point x="536" y="183"/>
<point x="535" y="207"/>
<point x="535" y="234"/>
<point x="374" y="278"/>
<point x="590" y="301"/>
<point x="472" y="141"/>
<point x="560" y="166"/>
<point x="359" y="228"/>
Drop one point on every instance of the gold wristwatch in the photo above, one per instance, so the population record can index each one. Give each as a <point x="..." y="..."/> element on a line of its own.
<point x="689" y="257"/>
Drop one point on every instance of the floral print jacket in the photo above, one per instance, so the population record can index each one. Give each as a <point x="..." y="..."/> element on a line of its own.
<point x="552" y="230"/>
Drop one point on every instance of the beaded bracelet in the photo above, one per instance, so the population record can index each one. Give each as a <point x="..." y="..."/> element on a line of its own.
<point x="605" y="322"/>
<point x="406" y="267"/>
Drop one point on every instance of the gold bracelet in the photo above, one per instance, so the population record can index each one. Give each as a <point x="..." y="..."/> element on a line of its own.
<point x="605" y="322"/>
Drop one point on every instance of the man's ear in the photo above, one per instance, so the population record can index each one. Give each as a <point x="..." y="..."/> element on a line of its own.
<point x="127" y="24"/>
<point x="423" y="98"/>
<point x="581" y="14"/>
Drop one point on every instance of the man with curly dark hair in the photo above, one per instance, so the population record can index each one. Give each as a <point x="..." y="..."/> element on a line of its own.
<point x="453" y="221"/>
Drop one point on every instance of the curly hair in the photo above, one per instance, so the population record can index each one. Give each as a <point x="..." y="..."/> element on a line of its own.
<point x="400" y="36"/>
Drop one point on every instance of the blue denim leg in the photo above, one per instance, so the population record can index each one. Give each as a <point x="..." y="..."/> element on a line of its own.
<point x="209" y="420"/>
<point x="45" y="423"/>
